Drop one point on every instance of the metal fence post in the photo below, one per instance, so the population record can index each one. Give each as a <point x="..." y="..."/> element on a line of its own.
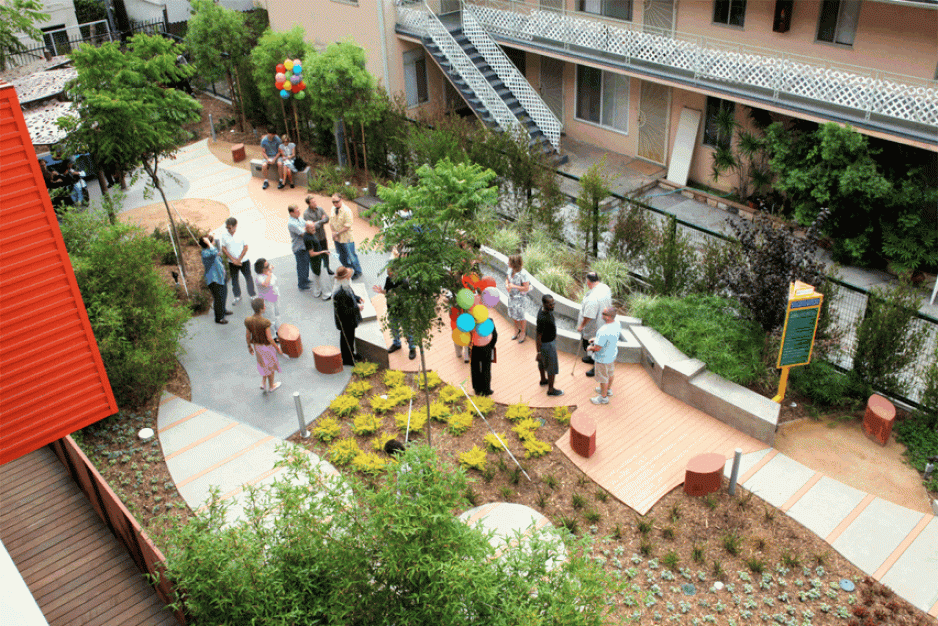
<point x="299" y="414"/>
<point x="734" y="475"/>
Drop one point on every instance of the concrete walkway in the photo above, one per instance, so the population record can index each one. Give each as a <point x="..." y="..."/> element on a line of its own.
<point x="230" y="435"/>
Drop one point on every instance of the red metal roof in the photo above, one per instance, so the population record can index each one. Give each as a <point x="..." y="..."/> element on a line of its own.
<point x="52" y="379"/>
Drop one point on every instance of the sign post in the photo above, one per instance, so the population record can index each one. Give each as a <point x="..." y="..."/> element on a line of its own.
<point x="801" y="318"/>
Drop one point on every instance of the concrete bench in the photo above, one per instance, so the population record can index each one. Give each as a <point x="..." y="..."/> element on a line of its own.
<point x="257" y="169"/>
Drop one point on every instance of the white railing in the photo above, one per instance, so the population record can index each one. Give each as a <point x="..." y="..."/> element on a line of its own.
<point x="542" y="116"/>
<point x="419" y="17"/>
<point x="868" y="91"/>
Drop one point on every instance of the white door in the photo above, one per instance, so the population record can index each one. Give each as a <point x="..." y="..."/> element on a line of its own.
<point x="552" y="85"/>
<point x="653" y="116"/>
<point x="659" y="17"/>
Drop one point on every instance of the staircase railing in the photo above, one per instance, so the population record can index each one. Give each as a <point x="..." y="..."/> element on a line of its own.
<point x="419" y="17"/>
<point x="539" y="112"/>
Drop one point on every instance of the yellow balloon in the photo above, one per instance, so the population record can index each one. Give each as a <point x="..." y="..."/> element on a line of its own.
<point x="288" y="64"/>
<point x="480" y="312"/>
<point x="460" y="338"/>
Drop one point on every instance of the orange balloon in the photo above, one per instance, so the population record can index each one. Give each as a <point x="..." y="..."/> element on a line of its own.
<point x="460" y="338"/>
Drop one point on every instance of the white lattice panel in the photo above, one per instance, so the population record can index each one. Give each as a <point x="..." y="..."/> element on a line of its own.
<point x="840" y="87"/>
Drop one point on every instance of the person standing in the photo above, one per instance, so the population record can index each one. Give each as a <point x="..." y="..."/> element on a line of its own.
<point x="342" y="235"/>
<point x="605" y="348"/>
<point x="271" y="145"/>
<point x="545" y="337"/>
<point x="480" y="364"/>
<point x="261" y="345"/>
<point x="297" y="228"/>
<point x="236" y="251"/>
<point x="266" y="282"/>
<point x="215" y="277"/>
<point x="518" y="284"/>
<point x="394" y="324"/>
<point x="597" y="298"/>
<point x="317" y="245"/>
<point x="348" y="313"/>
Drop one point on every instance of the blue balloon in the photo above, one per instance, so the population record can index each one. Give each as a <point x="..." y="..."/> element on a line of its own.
<point x="297" y="68"/>
<point x="465" y="322"/>
<point x="485" y="328"/>
<point x="284" y="94"/>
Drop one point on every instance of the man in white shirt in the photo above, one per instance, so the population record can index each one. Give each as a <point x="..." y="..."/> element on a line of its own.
<point x="236" y="250"/>
<point x="597" y="298"/>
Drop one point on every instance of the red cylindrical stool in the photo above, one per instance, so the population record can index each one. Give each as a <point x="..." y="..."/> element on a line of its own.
<point x="878" y="419"/>
<point x="237" y="152"/>
<point x="583" y="435"/>
<point x="328" y="359"/>
<point x="704" y="474"/>
<point x="290" y="341"/>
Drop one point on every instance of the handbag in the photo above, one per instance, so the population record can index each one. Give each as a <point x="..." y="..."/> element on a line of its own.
<point x="299" y="163"/>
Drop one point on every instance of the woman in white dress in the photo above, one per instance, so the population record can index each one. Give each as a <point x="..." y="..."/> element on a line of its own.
<point x="518" y="284"/>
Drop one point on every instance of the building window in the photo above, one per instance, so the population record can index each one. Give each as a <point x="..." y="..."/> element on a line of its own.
<point x="715" y="134"/>
<point x="838" y="21"/>
<point x="617" y="9"/>
<point x="729" y="12"/>
<point x="602" y="98"/>
<point x="415" y="77"/>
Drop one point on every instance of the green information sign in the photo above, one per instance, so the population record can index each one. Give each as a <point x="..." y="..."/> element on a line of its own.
<point x="798" y="337"/>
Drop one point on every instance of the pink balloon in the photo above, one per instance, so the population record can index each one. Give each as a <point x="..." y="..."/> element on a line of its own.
<point x="280" y="77"/>
<point x="481" y="341"/>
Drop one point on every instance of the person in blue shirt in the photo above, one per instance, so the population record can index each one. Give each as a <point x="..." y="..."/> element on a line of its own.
<point x="215" y="277"/>
<point x="271" y="144"/>
<point x="605" y="348"/>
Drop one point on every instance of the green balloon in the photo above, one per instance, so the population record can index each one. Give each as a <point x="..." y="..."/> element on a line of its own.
<point x="300" y="95"/>
<point x="464" y="298"/>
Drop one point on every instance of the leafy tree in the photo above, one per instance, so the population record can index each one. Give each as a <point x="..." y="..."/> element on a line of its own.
<point x="271" y="49"/>
<point x="125" y="114"/>
<point x="743" y="155"/>
<point x="889" y="340"/>
<point x="89" y="11"/>
<point x="135" y="315"/>
<point x="19" y="17"/>
<point x="337" y="551"/>
<point x="594" y="188"/>
<point x="771" y="258"/>
<point x="217" y="39"/>
<point x="450" y="203"/>
<point x="533" y="182"/>
<point x="669" y="260"/>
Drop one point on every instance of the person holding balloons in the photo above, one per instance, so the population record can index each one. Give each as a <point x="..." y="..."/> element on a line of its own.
<point x="481" y="356"/>
<point x="518" y="284"/>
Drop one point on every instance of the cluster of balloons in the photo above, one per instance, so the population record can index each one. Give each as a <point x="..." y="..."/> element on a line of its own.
<point x="471" y="319"/>
<point x="289" y="79"/>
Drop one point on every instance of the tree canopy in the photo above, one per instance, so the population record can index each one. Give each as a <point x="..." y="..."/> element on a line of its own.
<point x="217" y="39"/>
<point x="272" y="48"/>
<point x="18" y="17"/>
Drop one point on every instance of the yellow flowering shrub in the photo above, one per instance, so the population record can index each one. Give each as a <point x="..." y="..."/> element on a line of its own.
<point x="364" y="369"/>
<point x="492" y="442"/>
<point x="400" y="394"/>
<point x="433" y="380"/>
<point x="474" y="459"/>
<point x="380" y="405"/>
<point x="343" y="406"/>
<point x="517" y="412"/>
<point x="450" y="394"/>
<point x="343" y="451"/>
<point x="485" y="404"/>
<point x="418" y="419"/>
<point x="358" y="388"/>
<point x="378" y="442"/>
<point x="533" y="448"/>
<point x="365" y="424"/>
<point x="526" y="427"/>
<point x="326" y="429"/>
<point x="392" y="378"/>
<point x="439" y="411"/>
<point x="562" y="414"/>
<point x="369" y="463"/>
<point x="459" y="423"/>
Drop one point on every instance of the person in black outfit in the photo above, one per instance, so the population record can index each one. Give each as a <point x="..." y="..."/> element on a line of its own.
<point x="394" y="324"/>
<point x="347" y="308"/>
<point x="544" y="338"/>
<point x="480" y="364"/>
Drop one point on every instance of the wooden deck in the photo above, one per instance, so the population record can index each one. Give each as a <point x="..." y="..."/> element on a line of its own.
<point x="644" y="437"/>
<point x="75" y="568"/>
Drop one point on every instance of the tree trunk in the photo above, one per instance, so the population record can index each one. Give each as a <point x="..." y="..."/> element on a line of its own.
<point x="234" y="86"/>
<point x="173" y="233"/>
<point x="345" y="136"/>
<point x="365" y="156"/>
<point x="426" y="391"/>
<point x="596" y="230"/>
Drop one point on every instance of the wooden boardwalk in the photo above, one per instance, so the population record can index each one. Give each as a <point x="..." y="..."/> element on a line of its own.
<point x="75" y="568"/>
<point x="644" y="436"/>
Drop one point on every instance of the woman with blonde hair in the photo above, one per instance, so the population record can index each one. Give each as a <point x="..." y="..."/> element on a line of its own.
<point x="518" y="284"/>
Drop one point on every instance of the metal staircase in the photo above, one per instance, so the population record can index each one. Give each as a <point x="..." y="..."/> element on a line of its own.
<point x="489" y="83"/>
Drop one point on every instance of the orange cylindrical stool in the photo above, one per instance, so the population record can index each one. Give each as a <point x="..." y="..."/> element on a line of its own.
<point x="704" y="474"/>
<point x="583" y="435"/>
<point x="290" y="341"/>
<point x="237" y="152"/>
<point x="328" y="359"/>
<point x="878" y="419"/>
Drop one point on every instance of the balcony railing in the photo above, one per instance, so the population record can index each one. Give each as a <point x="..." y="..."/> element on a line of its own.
<point x="699" y="59"/>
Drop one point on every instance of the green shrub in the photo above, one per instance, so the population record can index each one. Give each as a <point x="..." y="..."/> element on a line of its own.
<point x="556" y="278"/>
<point x="343" y="451"/>
<point x="708" y="328"/>
<point x="505" y="240"/>
<point x="631" y="233"/>
<point x="537" y="256"/>
<point x="135" y="316"/>
<point x="822" y="383"/>
<point x="670" y="262"/>
<point x="392" y="378"/>
<point x="459" y="423"/>
<point x="614" y="273"/>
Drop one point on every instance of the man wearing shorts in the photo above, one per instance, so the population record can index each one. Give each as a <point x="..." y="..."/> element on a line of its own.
<point x="605" y="347"/>
<point x="545" y="336"/>
<point x="271" y="145"/>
